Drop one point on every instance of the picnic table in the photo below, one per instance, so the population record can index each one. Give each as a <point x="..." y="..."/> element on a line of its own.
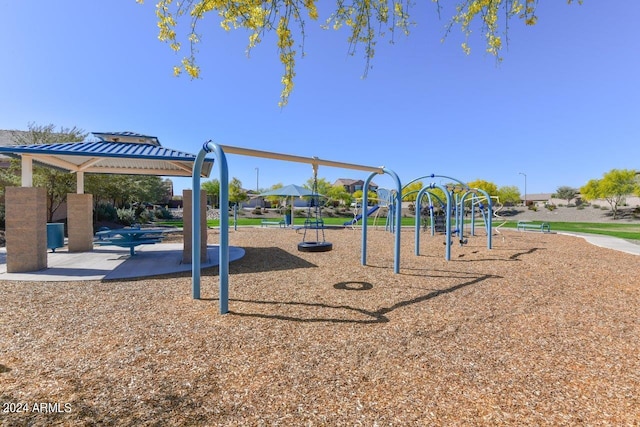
<point x="130" y="237"/>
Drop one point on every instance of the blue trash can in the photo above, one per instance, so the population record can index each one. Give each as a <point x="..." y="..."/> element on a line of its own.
<point x="55" y="235"/>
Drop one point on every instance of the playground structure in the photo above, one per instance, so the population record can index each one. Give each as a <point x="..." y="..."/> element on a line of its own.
<point x="384" y="199"/>
<point x="220" y="153"/>
<point x="453" y="209"/>
<point x="456" y="196"/>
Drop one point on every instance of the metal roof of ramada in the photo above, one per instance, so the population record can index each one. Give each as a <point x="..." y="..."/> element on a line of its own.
<point x="114" y="153"/>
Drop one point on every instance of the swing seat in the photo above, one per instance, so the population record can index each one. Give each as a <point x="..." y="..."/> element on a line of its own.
<point x="314" y="222"/>
<point x="315" y="246"/>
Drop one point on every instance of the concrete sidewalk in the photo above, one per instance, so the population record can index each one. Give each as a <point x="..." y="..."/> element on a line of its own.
<point x="112" y="263"/>
<point x="608" y="242"/>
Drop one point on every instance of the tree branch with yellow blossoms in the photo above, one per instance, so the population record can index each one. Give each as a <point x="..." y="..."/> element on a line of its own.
<point x="366" y="20"/>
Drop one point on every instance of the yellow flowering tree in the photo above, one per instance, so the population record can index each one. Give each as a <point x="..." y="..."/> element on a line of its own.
<point x="487" y="186"/>
<point x="614" y="187"/>
<point x="410" y="192"/>
<point x="366" y="21"/>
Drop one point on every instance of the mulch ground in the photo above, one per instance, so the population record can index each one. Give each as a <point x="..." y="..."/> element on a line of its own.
<point x="540" y="330"/>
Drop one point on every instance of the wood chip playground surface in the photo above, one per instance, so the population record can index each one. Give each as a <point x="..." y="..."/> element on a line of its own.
<point x="541" y="330"/>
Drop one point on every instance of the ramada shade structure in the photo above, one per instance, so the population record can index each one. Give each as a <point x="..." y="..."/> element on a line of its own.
<point x="126" y="153"/>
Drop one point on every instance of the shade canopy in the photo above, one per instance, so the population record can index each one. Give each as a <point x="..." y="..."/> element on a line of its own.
<point x="291" y="190"/>
<point x="114" y="153"/>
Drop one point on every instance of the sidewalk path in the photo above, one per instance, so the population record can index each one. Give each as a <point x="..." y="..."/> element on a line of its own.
<point x="608" y="242"/>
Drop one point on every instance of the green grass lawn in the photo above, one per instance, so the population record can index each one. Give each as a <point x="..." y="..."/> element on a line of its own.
<point x="621" y="230"/>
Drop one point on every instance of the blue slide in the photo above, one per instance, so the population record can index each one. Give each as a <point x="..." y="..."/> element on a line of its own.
<point x="359" y="216"/>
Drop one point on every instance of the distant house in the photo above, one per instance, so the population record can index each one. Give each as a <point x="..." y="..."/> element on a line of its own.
<point x="537" y="199"/>
<point x="255" y="200"/>
<point x="353" y="185"/>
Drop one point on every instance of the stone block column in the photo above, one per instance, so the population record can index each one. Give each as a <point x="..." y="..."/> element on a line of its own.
<point x="187" y="208"/>
<point x="80" y="222"/>
<point x="26" y="229"/>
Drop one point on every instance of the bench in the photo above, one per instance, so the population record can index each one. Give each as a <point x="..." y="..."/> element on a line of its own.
<point x="524" y="225"/>
<point x="266" y="223"/>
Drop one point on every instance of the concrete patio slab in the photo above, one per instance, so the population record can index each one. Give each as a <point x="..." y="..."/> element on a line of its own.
<point x="106" y="263"/>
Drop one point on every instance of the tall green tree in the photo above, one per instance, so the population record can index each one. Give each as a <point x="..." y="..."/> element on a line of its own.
<point x="236" y="194"/>
<point x="212" y="189"/>
<point x="124" y="190"/>
<point x="150" y="189"/>
<point x="614" y="187"/>
<point x="566" y="193"/>
<point x="366" y="21"/>
<point x="323" y="185"/>
<point x="56" y="183"/>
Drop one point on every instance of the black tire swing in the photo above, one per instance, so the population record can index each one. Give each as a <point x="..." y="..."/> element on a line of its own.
<point x="314" y="222"/>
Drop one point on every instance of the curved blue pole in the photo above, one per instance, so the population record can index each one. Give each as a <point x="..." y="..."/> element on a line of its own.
<point x="488" y="216"/>
<point x="223" y="252"/>
<point x="398" y="218"/>
<point x="474" y="199"/>
<point x="489" y="224"/>
<point x="398" y="213"/>
<point x="447" y="212"/>
<point x="423" y="191"/>
<point x="365" y="201"/>
<point x="434" y="176"/>
<point x="462" y="209"/>
<point x="447" y="254"/>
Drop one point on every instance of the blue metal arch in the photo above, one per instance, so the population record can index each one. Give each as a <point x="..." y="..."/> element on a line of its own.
<point x="397" y="211"/>
<point x="209" y="147"/>
<point x="223" y="252"/>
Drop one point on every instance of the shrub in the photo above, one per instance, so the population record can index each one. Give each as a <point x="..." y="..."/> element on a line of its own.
<point x="139" y="209"/>
<point x="126" y="216"/>
<point x="106" y="212"/>
<point x="145" y="216"/>
<point x="2" y="217"/>
<point x="162" y="213"/>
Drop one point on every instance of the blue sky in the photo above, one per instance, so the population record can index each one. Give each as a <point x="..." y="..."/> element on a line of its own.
<point x="563" y="107"/>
